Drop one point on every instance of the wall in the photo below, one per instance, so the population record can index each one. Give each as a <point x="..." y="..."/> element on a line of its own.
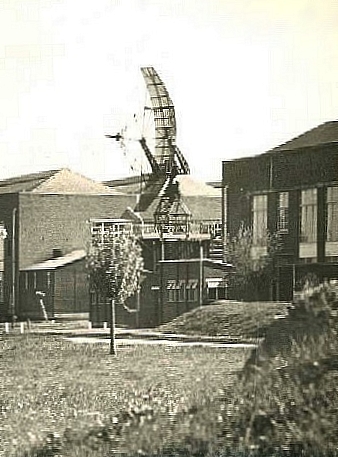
<point x="65" y="289"/>
<point x="28" y="302"/>
<point x="50" y="222"/>
<point x="8" y="202"/>
<point x="71" y="291"/>
<point x="271" y="173"/>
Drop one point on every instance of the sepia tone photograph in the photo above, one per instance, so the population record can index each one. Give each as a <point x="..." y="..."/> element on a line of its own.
<point x="168" y="228"/>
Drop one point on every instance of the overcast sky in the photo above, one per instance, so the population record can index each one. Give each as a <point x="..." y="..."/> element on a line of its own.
<point x="244" y="76"/>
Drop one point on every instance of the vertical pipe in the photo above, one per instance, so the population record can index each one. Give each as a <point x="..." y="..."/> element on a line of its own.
<point x="293" y="280"/>
<point x="13" y="264"/>
<point x="201" y="275"/>
<point x="224" y="222"/>
<point x="162" y="249"/>
<point x="271" y="173"/>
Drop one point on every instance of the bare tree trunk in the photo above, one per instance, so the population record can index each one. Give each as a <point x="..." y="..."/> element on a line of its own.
<point x="112" y="328"/>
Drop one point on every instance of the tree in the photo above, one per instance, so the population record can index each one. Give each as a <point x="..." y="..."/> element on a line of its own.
<point x="115" y="264"/>
<point x="252" y="274"/>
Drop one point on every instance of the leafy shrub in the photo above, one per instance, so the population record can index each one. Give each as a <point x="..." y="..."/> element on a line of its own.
<point x="287" y="403"/>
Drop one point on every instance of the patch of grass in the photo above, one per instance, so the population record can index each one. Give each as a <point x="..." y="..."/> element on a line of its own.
<point x="61" y="398"/>
<point x="236" y="320"/>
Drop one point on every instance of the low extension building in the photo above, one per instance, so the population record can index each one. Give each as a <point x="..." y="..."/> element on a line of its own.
<point x="291" y="190"/>
<point x="44" y="237"/>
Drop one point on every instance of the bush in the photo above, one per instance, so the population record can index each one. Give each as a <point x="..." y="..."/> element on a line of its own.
<point x="287" y="402"/>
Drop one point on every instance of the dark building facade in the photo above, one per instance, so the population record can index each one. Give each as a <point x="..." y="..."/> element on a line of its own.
<point x="46" y="216"/>
<point x="56" y="286"/>
<point x="183" y="265"/>
<point x="291" y="190"/>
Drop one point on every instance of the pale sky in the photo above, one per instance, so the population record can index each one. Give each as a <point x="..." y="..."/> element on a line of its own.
<point x="244" y="76"/>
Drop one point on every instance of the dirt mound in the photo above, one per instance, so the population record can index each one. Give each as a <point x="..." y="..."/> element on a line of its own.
<point x="235" y="320"/>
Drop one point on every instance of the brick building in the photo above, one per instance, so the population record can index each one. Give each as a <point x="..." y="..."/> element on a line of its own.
<point x="292" y="190"/>
<point x="45" y="216"/>
<point x="182" y="254"/>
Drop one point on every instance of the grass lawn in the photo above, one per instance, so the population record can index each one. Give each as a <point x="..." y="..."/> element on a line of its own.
<point x="82" y="401"/>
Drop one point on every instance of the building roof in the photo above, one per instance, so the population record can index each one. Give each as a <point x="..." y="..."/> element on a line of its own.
<point x="191" y="187"/>
<point x="326" y="133"/>
<point x="53" y="264"/>
<point x="130" y="184"/>
<point x="204" y="208"/>
<point x="63" y="181"/>
<point x="202" y="200"/>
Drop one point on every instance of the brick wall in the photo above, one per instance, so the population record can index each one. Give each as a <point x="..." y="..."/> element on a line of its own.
<point x="48" y="222"/>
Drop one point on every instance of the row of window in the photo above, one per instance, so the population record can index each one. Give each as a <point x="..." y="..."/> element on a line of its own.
<point x="32" y="283"/>
<point x="181" y="290"/>
<point x="308" y="215"/>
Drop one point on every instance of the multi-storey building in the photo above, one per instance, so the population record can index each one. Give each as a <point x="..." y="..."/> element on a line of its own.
<point x="291" y="190"/>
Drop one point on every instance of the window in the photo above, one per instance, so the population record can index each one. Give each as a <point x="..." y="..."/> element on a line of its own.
<point x="181" y="291"/>
<point x="308" y="223"/>
<point x="192" y="290"/>
<point x="171" y="289"/>
<point x="3" y="235"/>
<point x="283" y="213"/>
<point x="48" y="279"/>
<point x="259" y="219"/>
<point x="332" y="214"/>
<point x="1" y="286"/>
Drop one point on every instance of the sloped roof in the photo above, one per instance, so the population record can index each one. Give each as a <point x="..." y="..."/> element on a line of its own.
<point x="190" y="187"/>
<point x="201" y="200"/>
<point x="53" y="264"/>
<point x="204" y="208"/>
<point x="130" y="184"/>
<point x="63" y="181"/>
<point x="322" y="134"/>
<point x="25" y="183"/>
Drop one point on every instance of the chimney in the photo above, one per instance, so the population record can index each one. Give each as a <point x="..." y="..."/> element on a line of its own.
<point x="57" y="253"/>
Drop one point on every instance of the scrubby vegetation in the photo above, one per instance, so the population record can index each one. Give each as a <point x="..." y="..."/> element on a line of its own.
<point x="64" y="400"/>
<point x="286" y="401"/>
<point x="252" y="276"/>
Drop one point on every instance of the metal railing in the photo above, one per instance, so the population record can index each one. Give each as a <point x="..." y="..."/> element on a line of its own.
<point x="149" y="230"/>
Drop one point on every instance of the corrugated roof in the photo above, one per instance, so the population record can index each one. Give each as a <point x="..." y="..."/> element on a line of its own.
<point x="63" y="181"/>
<point x="322" y="134"/>
<point x="53" y="264"/>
